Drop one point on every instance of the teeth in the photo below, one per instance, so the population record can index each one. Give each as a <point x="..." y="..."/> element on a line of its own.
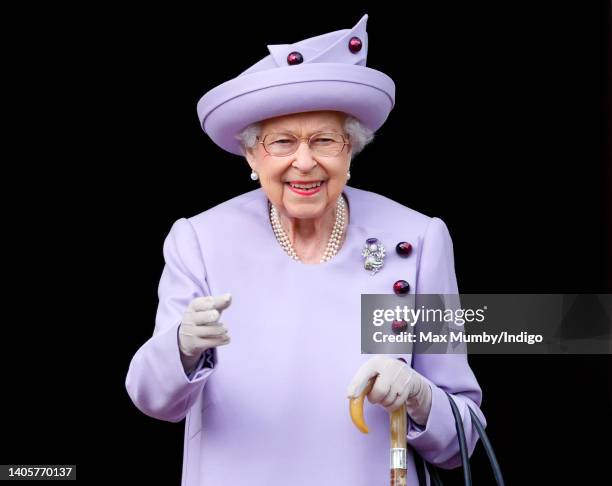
<point x="306" y="186"/>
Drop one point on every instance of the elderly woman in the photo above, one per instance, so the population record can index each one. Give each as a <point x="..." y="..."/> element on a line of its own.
<point x="281" y="270"/>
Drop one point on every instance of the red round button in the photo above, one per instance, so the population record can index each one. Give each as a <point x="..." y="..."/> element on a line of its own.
<point x="355" y="45"/>
<point x="294" y="58"/>
<point x="403" y="249"/>
<point x="401" y="287"/>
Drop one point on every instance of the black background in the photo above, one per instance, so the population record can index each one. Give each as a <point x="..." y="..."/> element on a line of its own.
<point x="501" y="128"/>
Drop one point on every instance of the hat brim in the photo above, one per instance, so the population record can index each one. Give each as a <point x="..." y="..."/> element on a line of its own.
<point x="365" y="93"/>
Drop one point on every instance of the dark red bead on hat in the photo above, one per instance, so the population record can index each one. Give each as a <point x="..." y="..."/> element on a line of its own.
<point x="403" y="248"/>
<point x="401" y="287"/>
<point x="399" y="326"/>
<point x="294" y="58"/>
<point x="355" y="45"/>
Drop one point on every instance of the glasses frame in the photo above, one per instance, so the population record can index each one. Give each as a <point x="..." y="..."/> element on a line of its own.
<point x="300" y="139"/>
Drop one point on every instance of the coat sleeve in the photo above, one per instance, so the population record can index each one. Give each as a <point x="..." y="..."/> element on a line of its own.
<point x="437" y="440"/>
<point x="156" y="381"/>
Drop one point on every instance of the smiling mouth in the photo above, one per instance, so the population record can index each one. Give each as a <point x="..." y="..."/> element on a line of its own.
<point x="305" y="190"/>
<point x="304" y="187"/>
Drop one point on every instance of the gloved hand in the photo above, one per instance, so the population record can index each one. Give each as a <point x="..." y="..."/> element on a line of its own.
<point x="200" y="328"/>
<point x="396" y="383"/>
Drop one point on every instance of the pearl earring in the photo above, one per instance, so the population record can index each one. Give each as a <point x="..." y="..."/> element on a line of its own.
<point x="348" y="175"/>
<point x="254" y="175"/>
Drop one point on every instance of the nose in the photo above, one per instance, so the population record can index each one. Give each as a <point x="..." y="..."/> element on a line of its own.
<point x="304" y="161"/>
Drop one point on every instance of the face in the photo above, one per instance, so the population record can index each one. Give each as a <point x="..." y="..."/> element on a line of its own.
<point x="276" y="173"/>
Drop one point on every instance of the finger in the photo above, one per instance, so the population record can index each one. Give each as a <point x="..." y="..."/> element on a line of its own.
<point x="213" y="329"/>
<point x="200" y="331"/>
<point x="381" y="388"/>
<point x="202" y="318"/>
<point x="388" y="377"/>
<point x="202" y="303"/>
<point x="207" y="340"/>
<point x="212" y="342"/>
<point x="389" y="399"/>
<point x="402" y="397"/>
<point x="398" y="386"/>
<point x="209" y="331"/>
<point x="209" y="302"/>
<point x="402" y="389"/>
<point x="360" y="381"/>
<point x="224" y="302"/>
<point x="397" y="403"/>
<point x="394" y="392"/>
<point x="379" y="391"/>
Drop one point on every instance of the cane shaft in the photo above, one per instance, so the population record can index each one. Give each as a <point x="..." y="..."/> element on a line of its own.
<point x="399" y="431"/>
<point x="398" y="477"/>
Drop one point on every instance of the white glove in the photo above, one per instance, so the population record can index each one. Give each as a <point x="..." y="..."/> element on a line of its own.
<point x="396" y="383"/>
<point x="200" y="328"/>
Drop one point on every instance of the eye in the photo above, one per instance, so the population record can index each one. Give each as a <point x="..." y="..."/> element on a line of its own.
<point x="280" y="139"/>
<point x="323" y="140"/>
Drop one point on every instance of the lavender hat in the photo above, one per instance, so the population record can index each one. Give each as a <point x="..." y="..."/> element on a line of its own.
<point x="326" y="72"/>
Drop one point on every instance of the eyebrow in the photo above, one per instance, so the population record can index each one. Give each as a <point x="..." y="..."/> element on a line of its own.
<point x="321" y="129"/>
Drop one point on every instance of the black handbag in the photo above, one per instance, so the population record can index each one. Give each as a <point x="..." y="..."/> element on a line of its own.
<point x="434" y="474"/>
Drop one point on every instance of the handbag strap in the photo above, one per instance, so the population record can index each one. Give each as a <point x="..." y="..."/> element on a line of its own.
<point x="499" y="478"/>
<point x="465" y="461"/>
<point x="419" y="463"/>
<point x="465" y="458"/>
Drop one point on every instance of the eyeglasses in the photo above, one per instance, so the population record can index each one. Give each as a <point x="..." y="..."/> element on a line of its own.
<point x="325" y="144"/>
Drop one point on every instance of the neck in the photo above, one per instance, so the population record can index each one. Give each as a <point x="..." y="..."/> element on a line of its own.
<point x="309" y="230"/>
<point x="309" y="237"/>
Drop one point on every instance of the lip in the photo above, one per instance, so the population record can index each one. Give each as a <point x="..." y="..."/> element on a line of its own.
<point x="306" y="182"/>
<point x="302" y="192"/>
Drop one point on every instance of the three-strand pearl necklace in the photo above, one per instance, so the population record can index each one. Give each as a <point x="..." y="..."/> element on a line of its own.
<point x="333" y="244"/>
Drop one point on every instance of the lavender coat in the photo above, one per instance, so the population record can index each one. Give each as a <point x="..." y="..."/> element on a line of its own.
<point x="275" y="415"/>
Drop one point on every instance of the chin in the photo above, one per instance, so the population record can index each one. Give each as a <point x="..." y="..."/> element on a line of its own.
<point x="304" y="212"/>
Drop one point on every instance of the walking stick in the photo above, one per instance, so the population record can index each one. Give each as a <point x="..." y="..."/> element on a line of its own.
<point x="399" y="431"/>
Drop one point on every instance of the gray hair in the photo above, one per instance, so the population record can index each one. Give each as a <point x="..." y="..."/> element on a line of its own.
<point x="359" y="135"/>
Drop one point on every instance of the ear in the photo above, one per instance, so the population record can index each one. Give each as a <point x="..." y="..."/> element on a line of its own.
<point x="249" y="155"/>
<point x="350" y="153"/>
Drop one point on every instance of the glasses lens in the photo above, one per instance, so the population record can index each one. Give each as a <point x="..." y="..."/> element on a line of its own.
<point x="280" y="143"/>
<point x="324" y="144"/>
<point x="327" y="144"/>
